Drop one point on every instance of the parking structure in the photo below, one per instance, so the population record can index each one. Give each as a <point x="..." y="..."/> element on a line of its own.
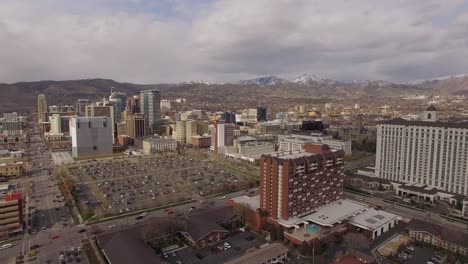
<point x="121" y="185"/>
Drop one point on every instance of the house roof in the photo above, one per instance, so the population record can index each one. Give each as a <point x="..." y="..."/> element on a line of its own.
<point x="127" y="247"/>
<point x="201" y="224"/>
<point x="444" y="233"/>
<point x="431" y="108"/>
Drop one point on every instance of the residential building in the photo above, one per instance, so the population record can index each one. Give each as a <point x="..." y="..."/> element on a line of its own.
<point x="150" y="106"/>
<point x="427" y="152"/>
<point x="261" y="114"/>
<point x="222" y="135"/>
<point x="14" y="169"/>
<point x="80" y="106"/>
<point x="11" y="215"/>
<point x="158" y="144"/>
<point x="292" y="185"/>
<point x="270" y="253"/>
<point x="135" y="125"/>
<point x="41" y="107"/>
<point x="91" y="136"/>
<point x="439" y="236"/>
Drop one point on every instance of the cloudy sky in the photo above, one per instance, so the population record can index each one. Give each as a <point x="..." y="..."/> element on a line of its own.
<point x="152" y="41"/>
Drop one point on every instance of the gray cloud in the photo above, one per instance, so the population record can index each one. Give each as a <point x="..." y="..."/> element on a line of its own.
<point x="175" y="40"/>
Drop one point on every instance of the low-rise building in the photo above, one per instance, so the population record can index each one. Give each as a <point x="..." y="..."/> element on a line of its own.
<point x="439" y="236"/>
<point x="158" y="144"/>
<point x="373" y="223"/>
<point x="11" y="215"/>
<point x="296" y="142"/>
<point x="268" y="254"/>
<point x="15" y="169"/>
<point x="201" y="141"/>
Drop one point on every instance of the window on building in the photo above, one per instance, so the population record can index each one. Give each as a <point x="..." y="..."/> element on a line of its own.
<point x="94" y="147"/>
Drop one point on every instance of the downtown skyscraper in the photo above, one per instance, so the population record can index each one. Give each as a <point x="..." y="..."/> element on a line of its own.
<point x="150" y="106"/>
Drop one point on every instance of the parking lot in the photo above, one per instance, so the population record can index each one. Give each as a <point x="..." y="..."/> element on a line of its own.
<point x="121" y="185"/>
<point x="421" y="255"/>
<point x="209" y="255"/>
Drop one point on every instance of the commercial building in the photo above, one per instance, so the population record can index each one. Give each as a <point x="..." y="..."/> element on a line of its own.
<point x="158" y="144"/>
<point x="91" y="136"/>
<point x="373" y="223"/>
<point x="41" y="107"/>
<point x="261" y="114"/>
<point x="222" y="135"/>
<point x="11" y="215"/>
<point x="103" y="110"/>
<point x="180" y="131"/>
<point x="296" y="142"/>
<point x="165" y="106"/>
<point x="150" y="106"/>
<point x="439" y="236"/>
<point x="135" y="125"/>
<point x="14" y="169"/>
<point x="133" y="105"/>
<point x="269" y="128"/>
<point x="428" y="152"/>
<point x="80" y="106"/>
<point x="12" y="125"/>
<point x="119" y="102"/>
<point x="292" y="185"/>
<point x="268" y="254"/>
<point x="201" y="141"/>
<point x="250" y="146"/>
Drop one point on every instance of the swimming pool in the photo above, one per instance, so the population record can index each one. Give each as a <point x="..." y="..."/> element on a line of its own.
<point x="312" y="229"/>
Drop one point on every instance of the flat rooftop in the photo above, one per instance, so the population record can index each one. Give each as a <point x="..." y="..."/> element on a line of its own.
<point x="372" y="219"/>
<point x="331" y="214"/>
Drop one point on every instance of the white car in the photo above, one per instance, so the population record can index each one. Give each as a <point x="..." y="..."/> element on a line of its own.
<point x="112" y="226"/>
<point x="5" y="246"/>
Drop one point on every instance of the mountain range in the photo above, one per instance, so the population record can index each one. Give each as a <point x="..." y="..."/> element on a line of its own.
<point x="22" y="96"/>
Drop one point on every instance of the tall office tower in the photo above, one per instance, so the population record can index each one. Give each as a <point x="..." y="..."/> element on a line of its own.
<point x="133" y="104"/>
<point x="261" y="114"/>
<point x="222" y="135"/>
<point x="90" y="136"/>
<point x="80" y="106"/>
<point x="180" y="131"/>
<point x="294" y="185"/>
<point x="135" y="125"/>
<point x="150" y="106"/>
<point x="427" y="152"/>
<point x="41" y="107"/>
<point x="119" y="101"/>
<point x="229" y="117"/>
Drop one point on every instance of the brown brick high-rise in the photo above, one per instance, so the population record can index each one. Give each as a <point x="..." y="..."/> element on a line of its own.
<point x="294" y="185"/>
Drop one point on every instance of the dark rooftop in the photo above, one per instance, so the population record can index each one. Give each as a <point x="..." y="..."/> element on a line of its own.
<point x="127" y="247"/>
<point x="442" y="232"/>
<point x="431" y="108"/>
<point x="201" y="224"/>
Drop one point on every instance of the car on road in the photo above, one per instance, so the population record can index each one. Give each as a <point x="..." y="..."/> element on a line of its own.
<point x="112" y="226"/>
<point x="81" y="230"/>
<point x="139" y="217"/>
<point x="5" y="246"/>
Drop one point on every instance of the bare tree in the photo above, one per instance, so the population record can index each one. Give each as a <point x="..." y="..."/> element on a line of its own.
<point x="245" y="211"/>
<point x="162" y="227"/>
<point x="356" y="241"/>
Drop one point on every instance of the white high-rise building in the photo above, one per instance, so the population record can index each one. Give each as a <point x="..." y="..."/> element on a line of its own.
<point x="55" y="124"/>
<point x="222" y="135"/>
<point x="428" y="152"/>
<point x="91" y="136"/>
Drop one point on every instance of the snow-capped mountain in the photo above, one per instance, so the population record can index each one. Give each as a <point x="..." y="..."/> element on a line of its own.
<point x="378" y="83"/>
<point x="269" y="80"/>
<point x="441" y="78"/>
<point x="195" y="82"/>
<point x="309" y="79"/>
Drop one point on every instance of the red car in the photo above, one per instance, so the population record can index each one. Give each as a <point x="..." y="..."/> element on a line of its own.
<point x="170" y="212"/>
